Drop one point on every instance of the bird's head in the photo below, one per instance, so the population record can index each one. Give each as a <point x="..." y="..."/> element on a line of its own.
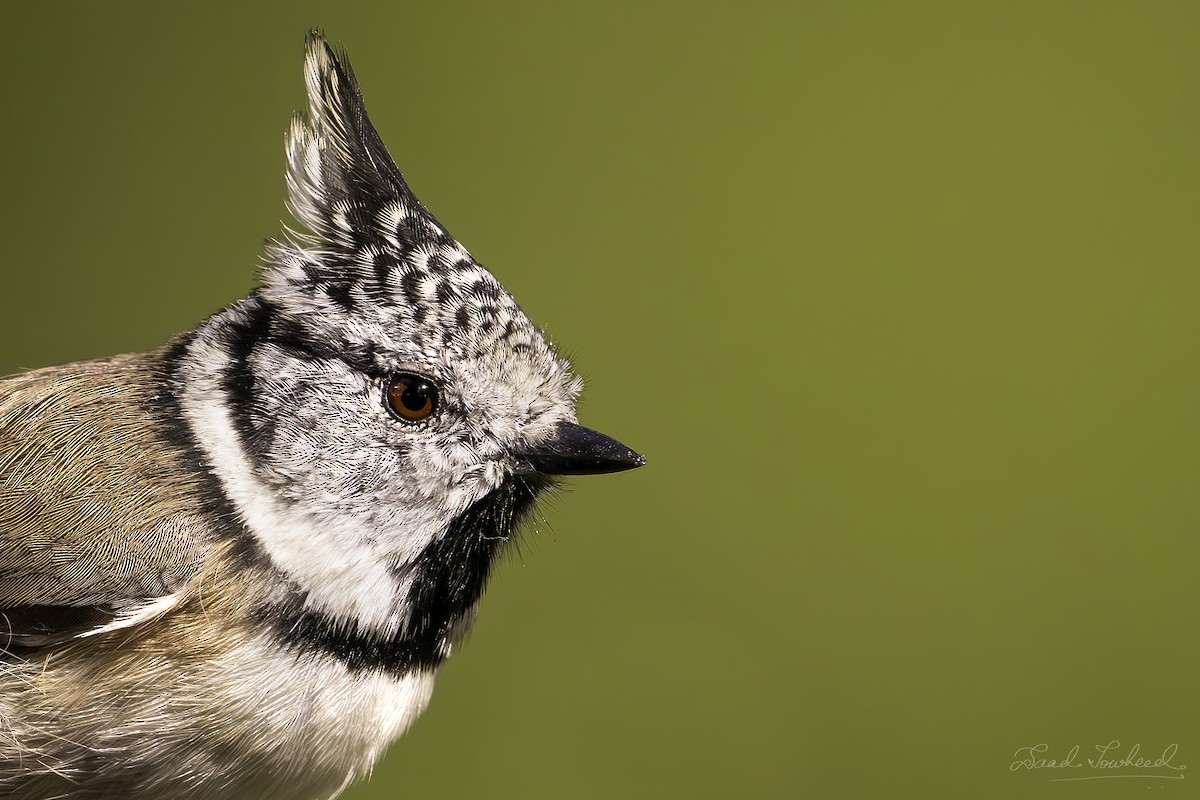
<point x="380" y="411"/>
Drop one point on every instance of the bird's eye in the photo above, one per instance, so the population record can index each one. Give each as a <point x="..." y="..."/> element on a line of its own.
<point x="411" y="397"/>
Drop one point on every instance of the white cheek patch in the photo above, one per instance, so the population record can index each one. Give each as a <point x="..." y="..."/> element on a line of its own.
<point x="342" y="543"/>
<point x="343" y="578"/>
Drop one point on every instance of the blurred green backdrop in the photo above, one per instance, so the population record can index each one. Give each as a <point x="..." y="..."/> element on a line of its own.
<point x="899" y="299"/>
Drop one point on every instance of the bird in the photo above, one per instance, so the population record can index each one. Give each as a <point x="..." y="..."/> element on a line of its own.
<point x="231" y="567"/>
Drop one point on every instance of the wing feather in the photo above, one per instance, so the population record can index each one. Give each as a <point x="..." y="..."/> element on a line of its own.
<point x="101" y="522"/>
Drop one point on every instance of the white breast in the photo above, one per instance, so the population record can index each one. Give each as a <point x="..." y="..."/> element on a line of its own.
<point x="317" y="725"/>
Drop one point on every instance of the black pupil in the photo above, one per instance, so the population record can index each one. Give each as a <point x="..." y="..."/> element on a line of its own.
<point x="415" y="395"/>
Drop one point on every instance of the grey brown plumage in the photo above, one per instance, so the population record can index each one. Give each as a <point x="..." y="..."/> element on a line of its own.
<point x="87" y="522"/>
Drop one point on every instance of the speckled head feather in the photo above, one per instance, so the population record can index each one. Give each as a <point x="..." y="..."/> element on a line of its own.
<point x="377" y="268"/>
<point x="373" y="287"/>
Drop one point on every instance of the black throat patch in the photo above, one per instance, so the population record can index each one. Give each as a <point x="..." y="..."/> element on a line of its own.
<point x="448" y="577"/>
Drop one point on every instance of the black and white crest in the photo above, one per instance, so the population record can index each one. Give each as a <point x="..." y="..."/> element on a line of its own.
<point x="371" y="244"/>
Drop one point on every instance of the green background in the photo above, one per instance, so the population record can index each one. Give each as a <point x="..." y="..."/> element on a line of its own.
<point x="899" y="300"/>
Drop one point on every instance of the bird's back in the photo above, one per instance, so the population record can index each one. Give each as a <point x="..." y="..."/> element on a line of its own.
<point x="192" y="700"/>
<point x="88" y="516"/>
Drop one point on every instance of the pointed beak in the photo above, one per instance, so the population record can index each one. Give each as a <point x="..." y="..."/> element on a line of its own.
<point x="576" y="450"/>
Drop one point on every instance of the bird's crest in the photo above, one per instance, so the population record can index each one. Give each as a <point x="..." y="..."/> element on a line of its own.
<point x="374" y="266"/>
<point x="340" y="174"/>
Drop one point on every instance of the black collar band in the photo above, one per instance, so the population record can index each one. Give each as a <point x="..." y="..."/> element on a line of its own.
<point x="448" y="577"/>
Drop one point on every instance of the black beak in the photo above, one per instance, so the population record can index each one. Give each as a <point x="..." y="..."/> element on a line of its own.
<point x="576" y="450"/>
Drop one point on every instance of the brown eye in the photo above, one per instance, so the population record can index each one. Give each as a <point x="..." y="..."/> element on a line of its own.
<point x="411" y="397"/>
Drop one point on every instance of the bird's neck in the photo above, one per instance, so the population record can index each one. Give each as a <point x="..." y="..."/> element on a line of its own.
<point x="333" y="582"/>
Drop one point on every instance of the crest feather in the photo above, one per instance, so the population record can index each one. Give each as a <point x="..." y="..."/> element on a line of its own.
<point x="340" y="175"/>
<point x="375" y="274"/>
